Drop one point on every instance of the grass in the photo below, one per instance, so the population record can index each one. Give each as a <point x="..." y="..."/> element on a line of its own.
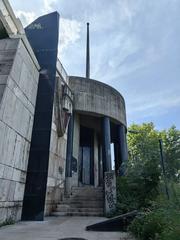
<point x="8" y="221"/>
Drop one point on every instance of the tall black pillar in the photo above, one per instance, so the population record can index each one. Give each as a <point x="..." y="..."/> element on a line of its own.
<point x="106" y="144"/>
<point x="117" y="156"/>
<point x="68" y="172"/>
<point x="122" y="142"/>
<point x="43" y="36"/>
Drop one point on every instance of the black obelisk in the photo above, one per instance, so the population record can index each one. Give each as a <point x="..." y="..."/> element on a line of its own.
<point x="43" y="36"/>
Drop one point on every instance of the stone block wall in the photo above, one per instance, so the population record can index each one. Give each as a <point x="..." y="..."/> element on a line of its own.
<point x="18" y="88"/>
<point x="56" y="171"/>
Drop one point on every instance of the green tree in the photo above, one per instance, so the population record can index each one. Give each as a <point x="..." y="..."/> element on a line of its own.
<point x="143" y="145"/>
<point x="171" y="140"/>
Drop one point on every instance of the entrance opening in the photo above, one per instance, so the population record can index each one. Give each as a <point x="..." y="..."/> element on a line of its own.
<point x="112" y="156"/>
<point x="86" y="156"/>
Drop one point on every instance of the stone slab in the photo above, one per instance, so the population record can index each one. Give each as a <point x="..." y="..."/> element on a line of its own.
<point x="56" y="228"/>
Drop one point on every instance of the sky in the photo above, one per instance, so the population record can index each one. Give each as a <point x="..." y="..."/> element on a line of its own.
<point x="135" y="48"/>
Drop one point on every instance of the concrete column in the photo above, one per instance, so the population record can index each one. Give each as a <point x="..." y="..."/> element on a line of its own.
<point x="122" y="142"/>
<point x="68" y="172"/>
<point x="117" y="158"/>
<point x="96" y="161"/>
<point x="106" y="144"/>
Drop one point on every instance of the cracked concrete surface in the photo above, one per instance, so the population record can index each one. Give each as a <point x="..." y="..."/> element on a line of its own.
<point x="55" y="228"/>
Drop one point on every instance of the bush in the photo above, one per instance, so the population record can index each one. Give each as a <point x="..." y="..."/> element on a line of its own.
<point x="171" y="234"/>
<point x="136" y="191"/>
<point x="148" y="226"/>
<point x="8" y="221"/>
<point x="161" y="222"/>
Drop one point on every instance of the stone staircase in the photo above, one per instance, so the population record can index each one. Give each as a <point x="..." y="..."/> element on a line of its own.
<point x="84" y="201"/>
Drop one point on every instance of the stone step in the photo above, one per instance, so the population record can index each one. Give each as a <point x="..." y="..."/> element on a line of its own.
<point x="95" y="214"/>
<point x="85" y="198"/>
<point x="83" y="201"/>
<point x="80" y="209"/>
<point x="85" y="195"/>
<point x="92" y="190"/>
<point x="86" y="205"/>
<point x="87" y="192"/>
<point x="88" y="187"/>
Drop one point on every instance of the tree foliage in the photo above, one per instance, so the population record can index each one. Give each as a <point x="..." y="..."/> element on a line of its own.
<point x="144" y="151"/>
<point x="142" y="188"/>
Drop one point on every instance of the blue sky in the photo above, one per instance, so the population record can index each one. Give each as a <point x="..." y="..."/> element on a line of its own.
<point x="135" y="47"/>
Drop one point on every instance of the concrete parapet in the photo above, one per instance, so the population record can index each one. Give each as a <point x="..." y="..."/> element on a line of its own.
<point x="97" y="98"/>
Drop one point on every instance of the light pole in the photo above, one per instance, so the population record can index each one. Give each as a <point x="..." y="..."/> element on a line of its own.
<point x="163" y="167"/>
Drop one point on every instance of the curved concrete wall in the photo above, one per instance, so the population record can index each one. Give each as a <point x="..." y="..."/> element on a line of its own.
<point x="97" y="98"/>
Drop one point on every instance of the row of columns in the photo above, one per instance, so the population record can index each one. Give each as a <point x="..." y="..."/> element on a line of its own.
<point x="122" y="142"/>
<point x="120" y="148"/>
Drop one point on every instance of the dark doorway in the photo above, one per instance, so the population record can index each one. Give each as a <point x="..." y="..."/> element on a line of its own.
<point x="86" y="156"/>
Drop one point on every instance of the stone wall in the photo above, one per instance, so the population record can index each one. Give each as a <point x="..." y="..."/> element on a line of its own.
<point x="18" y="88"/>
<point x="56" y="171"/>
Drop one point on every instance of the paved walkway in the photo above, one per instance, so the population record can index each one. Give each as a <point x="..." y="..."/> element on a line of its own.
<point x="55" y="228"/>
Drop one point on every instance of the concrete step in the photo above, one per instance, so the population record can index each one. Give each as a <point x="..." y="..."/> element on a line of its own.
<point x="85" y="205"/>
<point x="80" y="209"/>
<point x="84" y="201"/>
<point x="95" y="214"/>
<point x="87" y="187"/>
<point x="83" y="198"/>
<point x="87" y="192"/>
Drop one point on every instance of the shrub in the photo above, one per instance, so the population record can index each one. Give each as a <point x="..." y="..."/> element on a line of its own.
<point x="161" y="222"/>
<point x="148" y="226"/>
<point x="135" y="192"/>
<point x="8" y="221"/>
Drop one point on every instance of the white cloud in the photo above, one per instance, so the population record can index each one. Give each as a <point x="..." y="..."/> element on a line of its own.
<point x="154" y="103"/>
<point x="69" y="33"/>
<point x="48" y="5"/>
<point x="69" y="29"/>
<point x="128" y="10"/>
<point x="26" y="17"/>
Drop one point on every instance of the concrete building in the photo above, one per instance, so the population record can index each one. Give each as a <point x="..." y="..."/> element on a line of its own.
<point x="56" y="130"/>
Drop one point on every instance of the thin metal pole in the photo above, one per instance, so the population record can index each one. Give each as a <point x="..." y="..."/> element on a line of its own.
<point x="163" y="167"/>
<point x="87" y="54"/>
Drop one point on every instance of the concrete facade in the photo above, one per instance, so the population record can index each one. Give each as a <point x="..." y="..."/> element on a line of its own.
<point x="97" y="98"/>
<point x="58" y="146"/>
<point x="55" y="184"/>
<point x="93" y="101"/>
<point x="19" y="78"/>
<point x="28" y="94"/>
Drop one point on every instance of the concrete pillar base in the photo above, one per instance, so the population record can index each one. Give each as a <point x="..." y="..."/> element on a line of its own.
<point x="110" y="192"/>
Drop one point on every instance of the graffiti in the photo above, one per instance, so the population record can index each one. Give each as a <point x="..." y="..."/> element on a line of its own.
<point x="110" y="191"/>
<point x="110" y="199"/>
<point x="35" y="26"/>
<point x="108" y="179"/>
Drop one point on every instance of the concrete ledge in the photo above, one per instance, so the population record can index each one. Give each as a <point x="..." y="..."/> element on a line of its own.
<point x="96" y="98"/>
